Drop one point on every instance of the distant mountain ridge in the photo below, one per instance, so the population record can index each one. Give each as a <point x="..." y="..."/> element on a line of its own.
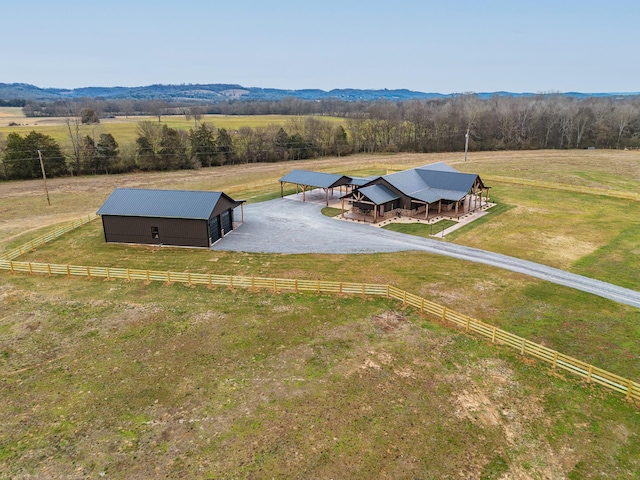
<point x="222" y="92"/>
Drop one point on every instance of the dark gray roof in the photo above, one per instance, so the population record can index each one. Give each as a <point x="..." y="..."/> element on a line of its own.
<point x="378" y="194"/>
<point x="137" y="202"/>
<point x="359" y="181"/>
<point x="431" y="183"/>
<point x="315" y="179"/>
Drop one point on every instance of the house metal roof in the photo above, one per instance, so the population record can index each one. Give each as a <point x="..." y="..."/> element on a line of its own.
<point x="378" y="194"/>
<point x="136" y="202"/>
<point x="315" y="179"/>
<point x="431" y="183"/>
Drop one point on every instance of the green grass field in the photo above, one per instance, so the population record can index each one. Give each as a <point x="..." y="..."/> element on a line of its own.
<point x="124" y="379"/>
<point x="125" y="129"/>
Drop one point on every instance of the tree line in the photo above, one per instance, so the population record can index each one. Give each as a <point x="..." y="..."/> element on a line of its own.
<point x="498" y="123"/>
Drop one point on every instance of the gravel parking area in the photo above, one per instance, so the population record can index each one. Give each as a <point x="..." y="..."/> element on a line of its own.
<point x="289" y="226"/>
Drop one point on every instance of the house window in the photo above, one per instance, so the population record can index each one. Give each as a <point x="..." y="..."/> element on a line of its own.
<point x="154" y="232"/>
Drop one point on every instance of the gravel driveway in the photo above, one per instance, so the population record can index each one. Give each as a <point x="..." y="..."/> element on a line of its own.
<point x="290" y="226"/>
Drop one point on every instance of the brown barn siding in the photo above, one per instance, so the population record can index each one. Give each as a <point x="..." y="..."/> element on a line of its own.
<point x="172" y="231"/>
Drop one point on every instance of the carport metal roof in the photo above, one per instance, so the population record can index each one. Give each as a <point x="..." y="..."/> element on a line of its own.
<point x="315" y="179"/>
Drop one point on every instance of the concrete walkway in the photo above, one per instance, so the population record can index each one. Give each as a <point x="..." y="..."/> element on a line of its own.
<point x="289" y="226"/>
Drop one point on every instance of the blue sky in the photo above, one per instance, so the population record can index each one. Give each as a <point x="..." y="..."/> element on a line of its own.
<point x="429" y="46"/>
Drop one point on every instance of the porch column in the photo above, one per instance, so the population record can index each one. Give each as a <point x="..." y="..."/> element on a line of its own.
<point x="375" y="213"/>
<point x="426" y="217"/>
<point x="342" y="208"/>
<point x="457" y="205"/>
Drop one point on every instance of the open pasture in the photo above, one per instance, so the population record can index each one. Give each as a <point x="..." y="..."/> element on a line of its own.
<point x="124" y="129"/>
<point x="131" y="379"/>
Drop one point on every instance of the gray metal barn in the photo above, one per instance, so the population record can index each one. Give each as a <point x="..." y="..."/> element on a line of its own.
<point x="167" y="217"/>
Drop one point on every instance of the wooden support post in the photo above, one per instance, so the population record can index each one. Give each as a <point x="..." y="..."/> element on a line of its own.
<point x="210" y="279"/>
<point x="242" y="212"/>
<point x="363" y="288"/>
<point x="68" y="271"/>
<point x="30" y="269"/>
<point x="49" y="268"/>
<point x="404" y="298"/>
<point x="168" y="277"/>
<point x="493" y="335"/>
<point x="108" y="278"/>
<point x="468" y="321"/>
<point x="422" y="304"/>
<point x="340" y="287"/>
<point x="128" y="275"/>
<point x="342" y="208"/>
<point x="318" y="291"/>
<point x="148" y="276"/>
<point x="275" y="288"/>
<point x="189" y="278"/>
<point x="555" y="360"/>
<point x="629" y="390"/>
<point x="253" y="282"/>
<point x="444" y="314"/>
<point x="296" y="284"/>
<point x="326" y="196"/>
<point x="589" y="373"/>
<point x="281" y="189"/>
<point x="303" y="193"/>
<point x="387" y="291"/>
<point x="439" y="206"/>
<point x="89" y="273"/>
<point x="524" y="343"/>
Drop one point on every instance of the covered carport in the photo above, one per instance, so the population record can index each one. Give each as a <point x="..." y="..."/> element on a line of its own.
<point x="308" y="180"/>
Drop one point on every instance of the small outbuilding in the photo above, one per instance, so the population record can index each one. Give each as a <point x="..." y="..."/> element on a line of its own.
<point x="167" y="217"/>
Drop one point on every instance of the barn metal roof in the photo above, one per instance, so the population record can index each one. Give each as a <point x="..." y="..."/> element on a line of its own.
<point x="137" y="202"/>
<point x="315" y="179"/>
<point x="378" y="194"/>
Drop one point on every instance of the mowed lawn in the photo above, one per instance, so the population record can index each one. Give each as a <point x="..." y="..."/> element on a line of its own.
<point x="126" y="379"/>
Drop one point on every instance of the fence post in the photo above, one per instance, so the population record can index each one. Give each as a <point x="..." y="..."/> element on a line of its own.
<point x="296" y="285"/>
<point x="88" y="273"/>
<point x="555" y="359"/>
<point x="468" y="321"/>
<point x="404" y="298"/>
<point x="387" y="291"/>
<point x="68" y="270"/>
<point x="340" y="287"/>
<point x="422" y="304"/>
<point x="230" y="281"/>
<point x="108" y="278"/>
<point x="275" y="288"/>
<point x="589" y="373"/>
<point x="49" y="268"/>
<point x="11" y="266"/>
<point x="168" y="277"/>
<point x="318" y="292"/>
<point x="524" y="341"/>
<point x="363" y="288"/>
<point x="209" y="278"/>
<point x="148" y="277"/>
<point x="189" y="278"/>
<point x="128" y="275"/>
<point x="629" y="388"/>
<point x="253" y="282"/>
<point x="493" y="335"/>
<point x="30" y="268"/>
<point x="444" y="314"/>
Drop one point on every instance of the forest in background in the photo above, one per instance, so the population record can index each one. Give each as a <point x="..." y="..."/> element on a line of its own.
<point x="499" y="122"/>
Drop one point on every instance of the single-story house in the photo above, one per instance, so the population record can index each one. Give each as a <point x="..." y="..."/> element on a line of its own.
<point x="167" y="217"/>
<point x="437" y="187"/>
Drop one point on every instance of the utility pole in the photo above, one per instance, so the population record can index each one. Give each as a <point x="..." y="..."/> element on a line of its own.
<point x="44" y="177"/>
<point x="466" y="144"/>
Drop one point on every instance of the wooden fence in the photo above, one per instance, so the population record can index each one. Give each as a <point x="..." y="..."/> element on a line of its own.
<point x="36" y="242"/>
<point x="566" y="187"/>
<point x="557" y="360"/>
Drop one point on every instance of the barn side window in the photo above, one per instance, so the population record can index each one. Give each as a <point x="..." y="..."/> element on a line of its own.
<point x="155" y="233"/>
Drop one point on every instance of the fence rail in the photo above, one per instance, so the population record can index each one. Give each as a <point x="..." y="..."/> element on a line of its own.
<point x="557" y="360"/>
<point x="565" y="186"/>
<point x="36" y="242"/>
